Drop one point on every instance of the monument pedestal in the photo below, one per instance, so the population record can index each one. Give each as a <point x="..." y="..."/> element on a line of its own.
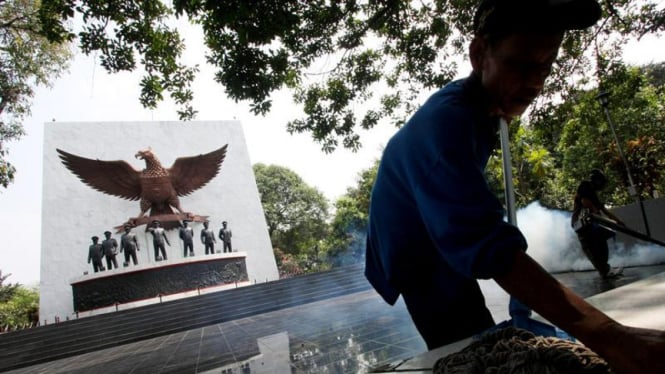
<point x="136" y="283"/>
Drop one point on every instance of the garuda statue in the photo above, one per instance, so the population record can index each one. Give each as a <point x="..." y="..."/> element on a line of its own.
<point x="157" y="187"/>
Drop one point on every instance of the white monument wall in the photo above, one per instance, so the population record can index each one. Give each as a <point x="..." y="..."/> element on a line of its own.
<point x="73" y="212"/>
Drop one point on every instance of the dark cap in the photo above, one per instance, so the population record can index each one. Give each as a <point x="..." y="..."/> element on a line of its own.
<point x="155" y="221"/>
<point x="597" y="174"/>
<point x="504" y="16"/>
<point x="107" y="233"/>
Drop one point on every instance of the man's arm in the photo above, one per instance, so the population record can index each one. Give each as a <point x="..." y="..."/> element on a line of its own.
<point x="611" y="216"/>
<point x="626" y="349"/>
<point x="588" y="203"/>
<point x="166" y="239"/>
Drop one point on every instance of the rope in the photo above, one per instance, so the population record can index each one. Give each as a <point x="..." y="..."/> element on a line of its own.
<point x="516" y="351"/>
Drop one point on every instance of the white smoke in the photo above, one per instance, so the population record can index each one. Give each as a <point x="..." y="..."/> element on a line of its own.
<point x="554" y="244"/>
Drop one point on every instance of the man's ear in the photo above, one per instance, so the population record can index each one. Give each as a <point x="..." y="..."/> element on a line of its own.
<point x="477" y="53"/>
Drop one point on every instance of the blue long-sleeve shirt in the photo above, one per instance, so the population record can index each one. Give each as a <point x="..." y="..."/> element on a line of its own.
<point x="433" y="217"/>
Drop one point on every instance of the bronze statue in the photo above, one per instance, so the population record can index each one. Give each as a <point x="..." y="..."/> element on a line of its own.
<point x="110" y="249"/>
<point x="187" y="236"/>
<point x="208" y="238"/>
<point x="225" y="236"/>
<point x="129" y="245"/>
<point x="158" y="239"/>
<point x="95" y="255"/>
<point x="157" y="187"/>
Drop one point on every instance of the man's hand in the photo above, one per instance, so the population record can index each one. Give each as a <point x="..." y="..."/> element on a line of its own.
<point x="634" y="350"/>
<point x="628" y="350"/>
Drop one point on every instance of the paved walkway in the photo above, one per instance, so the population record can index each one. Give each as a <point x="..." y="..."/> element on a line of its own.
<point x="350" y="334"/>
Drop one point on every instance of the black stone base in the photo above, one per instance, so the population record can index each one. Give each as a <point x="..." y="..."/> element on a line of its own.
<point x="119" y="287"/>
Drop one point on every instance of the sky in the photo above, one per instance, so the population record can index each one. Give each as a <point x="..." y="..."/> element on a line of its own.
<point x="86" y="94"/>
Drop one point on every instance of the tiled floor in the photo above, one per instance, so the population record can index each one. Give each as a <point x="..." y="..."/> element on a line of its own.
<point x="349" y="334"/>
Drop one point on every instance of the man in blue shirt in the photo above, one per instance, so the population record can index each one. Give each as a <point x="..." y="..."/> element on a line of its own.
<point x="431" y="184"/>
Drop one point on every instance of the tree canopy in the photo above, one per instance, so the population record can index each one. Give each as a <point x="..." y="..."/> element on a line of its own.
<point x="348" y="64"/>
<point x="565" y="140"/>
<point x="295" y="212"/>
<point x="346" y="242"/>
<point x="19" y="305"/>
<point x="27" y="59"/>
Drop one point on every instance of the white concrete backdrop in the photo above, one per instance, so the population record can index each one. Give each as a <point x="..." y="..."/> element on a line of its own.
<point x="72" y="212"/>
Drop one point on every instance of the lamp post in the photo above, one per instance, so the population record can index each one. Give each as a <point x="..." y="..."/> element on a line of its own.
<point x="604" y="99"/>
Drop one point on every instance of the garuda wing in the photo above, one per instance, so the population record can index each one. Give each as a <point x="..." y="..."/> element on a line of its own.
<point x="117" y="178"/>
<point x="188" y="174"/>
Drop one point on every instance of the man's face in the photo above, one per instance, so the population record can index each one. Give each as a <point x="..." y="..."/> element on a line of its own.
<point x="514" y="69"/>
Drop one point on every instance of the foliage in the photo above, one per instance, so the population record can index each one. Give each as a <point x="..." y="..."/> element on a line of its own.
<point x="532" y="164"/>
<point x="123" y="32"/>
<point x="27" y="59"/>
<point x="295" y="213"/>
<point x="7" y="291"/>
<point x="577" y="136"/>
<point x="19" y="306"/>
<point x="346" y="242"/>
<point x="349" y="64"/>
<point x="290" y="265"/>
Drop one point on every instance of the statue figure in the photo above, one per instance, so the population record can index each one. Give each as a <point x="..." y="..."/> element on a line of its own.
<point x="129" y="245"/>
<point x="225" y="236"/>
<point x="158" y="239"/>
<point x="110" y="249"/>
<point x="95" y="255"/>
<point x="208" y="238"/>
<point x="187" y="236"/>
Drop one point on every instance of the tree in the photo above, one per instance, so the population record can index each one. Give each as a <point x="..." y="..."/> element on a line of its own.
<point x="295" y="213"/>
<point x="578" y="138"/>
<point x="19" y="306"/>
<point x="7" y="291"/>
<point x="27" y="59"/>
<point x="334" y="56"/>
<point x="346" y="242"/>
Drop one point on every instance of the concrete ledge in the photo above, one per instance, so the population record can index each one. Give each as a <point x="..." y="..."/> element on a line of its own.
<point x="133" y="284"/>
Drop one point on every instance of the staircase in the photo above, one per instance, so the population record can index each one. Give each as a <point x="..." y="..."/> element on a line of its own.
<point x="65" y="339"/>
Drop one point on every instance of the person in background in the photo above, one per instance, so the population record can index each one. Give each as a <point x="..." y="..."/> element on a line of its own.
<point x="593" y="237"/>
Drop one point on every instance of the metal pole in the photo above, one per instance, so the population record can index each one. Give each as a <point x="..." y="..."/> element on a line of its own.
<point x="519" y="312"/>
<point x="507" y="172"/>
<point x="632" y="191"/>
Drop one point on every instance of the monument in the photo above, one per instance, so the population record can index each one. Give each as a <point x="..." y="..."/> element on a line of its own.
<point x="92" y="183"/>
